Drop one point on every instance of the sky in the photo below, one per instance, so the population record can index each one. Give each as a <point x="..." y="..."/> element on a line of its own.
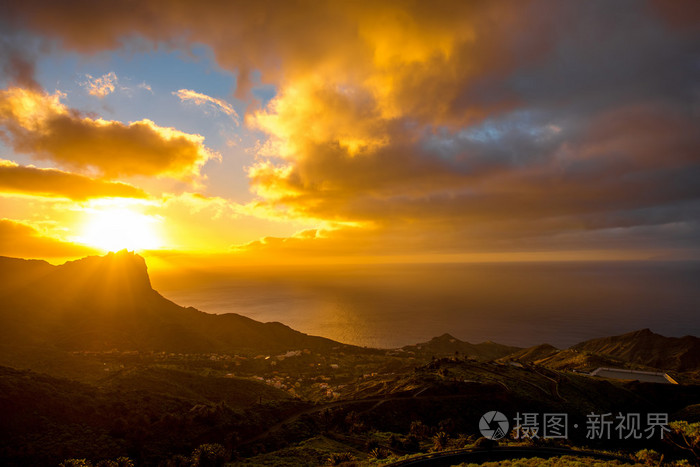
<point x="369" y="131"/>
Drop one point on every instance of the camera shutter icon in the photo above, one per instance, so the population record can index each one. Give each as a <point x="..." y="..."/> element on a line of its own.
<point x="493" y="425"/>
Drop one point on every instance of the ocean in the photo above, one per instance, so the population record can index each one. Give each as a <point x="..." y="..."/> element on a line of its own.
<point x="520" y="304"/>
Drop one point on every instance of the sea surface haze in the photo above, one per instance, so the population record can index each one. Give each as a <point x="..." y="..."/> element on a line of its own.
<point x="391" y="305"/>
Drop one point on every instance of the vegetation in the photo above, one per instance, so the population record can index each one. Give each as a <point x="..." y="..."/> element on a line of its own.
<point x="440" y="440"/>
<point x="563" y="461"/>
<point x="685" y="436"/>
<point x="189" y="400"/>
<point x="648" y="457"/>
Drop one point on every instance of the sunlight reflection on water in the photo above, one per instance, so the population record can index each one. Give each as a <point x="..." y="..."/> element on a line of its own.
<point x="516" y="304"/>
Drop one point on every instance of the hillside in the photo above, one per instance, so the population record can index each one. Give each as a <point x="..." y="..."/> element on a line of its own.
<point x="647" y="348"/>
<point x="46" y="419"/>
<point x="103" y="303"/>
<point x="573" y="360"/>
<point x="446" y="344"/>
<point x="533" y="354"/>
<point x="118" y="370"/>
<point x="235" y="392"/>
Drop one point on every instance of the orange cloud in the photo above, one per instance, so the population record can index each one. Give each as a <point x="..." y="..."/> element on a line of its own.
<point x="40" y="125"/>
<point x="426" y="60"/>
<point x="603" y="186"/>
<point x="19" y="179"/>
<point x="465" y="125"/>
<point x="102" y="86"/>
<point x="202" y="99"/>
<point x="22" y="240"/>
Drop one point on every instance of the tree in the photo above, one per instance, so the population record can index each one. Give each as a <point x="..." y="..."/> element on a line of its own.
<point x="440" y="441"/>
<point x="119" y="462"/>
<point x="75" y="463"/>
<point x="685" y="436"/>
<point x="209" y="455"/>
<point x="178" y="461"/>
<point x="354" y="423"/>
<point x="124" y="462"/>
<point x="648" y="456"/>
<point x="463" y="440"/>
<point x="447" y="425"/>
<point x="419" y="429"/>
<point x="411" y="443"/>
<point x="338" y="458"/>
<point x="379" y="453"/>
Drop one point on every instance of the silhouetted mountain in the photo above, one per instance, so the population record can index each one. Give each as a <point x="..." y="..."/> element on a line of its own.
<point x="448" y="345"/>
<point x="106" y="302"/>
<point x="101" y="303"/>
<point x="157" y="407"/>
<point x="647" y="348"/>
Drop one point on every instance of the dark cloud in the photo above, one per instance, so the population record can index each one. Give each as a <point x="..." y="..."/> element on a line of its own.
<point x="497" y="122"/>
<point x="18" y="52"/>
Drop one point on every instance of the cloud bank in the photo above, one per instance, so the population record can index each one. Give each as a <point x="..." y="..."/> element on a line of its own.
<point x="38" y="124"/>
<point x="18" y="239"/>
<point x="455" y="125"/>
<point x="51" y="183"/>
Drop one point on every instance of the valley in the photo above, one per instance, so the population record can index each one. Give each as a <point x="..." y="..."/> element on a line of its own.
<point x="136" y="376"/>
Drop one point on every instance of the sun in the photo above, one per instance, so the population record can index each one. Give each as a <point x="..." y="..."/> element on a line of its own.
<point x="116" y="228"/>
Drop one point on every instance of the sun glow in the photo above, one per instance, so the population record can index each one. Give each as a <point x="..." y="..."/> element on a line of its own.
<point x="116" y="228"/>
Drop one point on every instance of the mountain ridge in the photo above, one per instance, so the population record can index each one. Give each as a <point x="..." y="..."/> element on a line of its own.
<point x="72" y="396"/>
<point x="648" y="348"/>
<point x="106" y="302"/>
<point x="448" y="344"/>
<point x="100" y="303"/>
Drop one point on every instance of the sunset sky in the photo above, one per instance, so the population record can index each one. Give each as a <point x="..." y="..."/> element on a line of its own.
<point x="303" y="131"/>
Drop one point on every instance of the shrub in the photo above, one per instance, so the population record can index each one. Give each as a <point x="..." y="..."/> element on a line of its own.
<point x="371" y="444"/>
<point x="464" y="440"/>
<point x="118" y="462"/>
<point x="485" y="443"/>
<point x="209" y="455"/>
<point x="685" y="436"/>
<point x="394" y="442"/>
<point x="178" y="461"/>
<point x="419" y="429"/>
<point x="379" y="453"/>
<point x="75" y="463"/>
<point x="440" y="441"/>
<point x="648" y="456"/>
<point x="338" y="458"/>
<point x="411" y="443"/>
